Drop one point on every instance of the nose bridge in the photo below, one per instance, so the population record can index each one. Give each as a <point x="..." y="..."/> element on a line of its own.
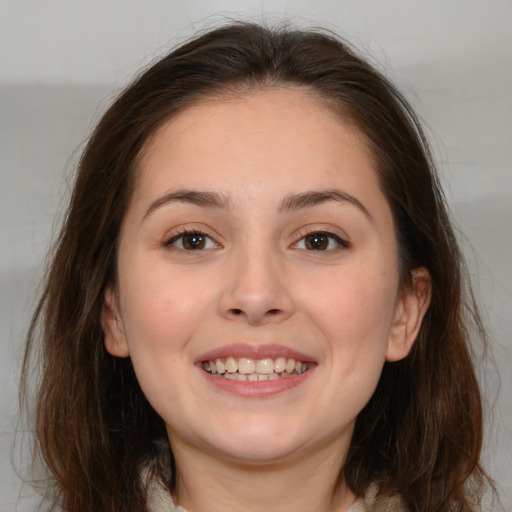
<point x="256" y="289"/>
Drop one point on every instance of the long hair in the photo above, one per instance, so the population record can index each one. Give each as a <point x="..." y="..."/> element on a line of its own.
<point x="421" y="433"/>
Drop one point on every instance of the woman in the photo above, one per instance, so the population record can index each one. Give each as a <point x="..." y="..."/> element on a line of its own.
<point x="257" y="300"/>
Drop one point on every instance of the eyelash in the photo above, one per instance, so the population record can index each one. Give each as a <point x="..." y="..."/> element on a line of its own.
<point x="205" y="240"/>
<point x="340" y="242"/>
<point x="189" y="233"/>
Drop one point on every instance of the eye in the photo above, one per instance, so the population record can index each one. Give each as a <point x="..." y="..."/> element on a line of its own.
<point x="321" y="241"/>
<point x="192" y="241"/>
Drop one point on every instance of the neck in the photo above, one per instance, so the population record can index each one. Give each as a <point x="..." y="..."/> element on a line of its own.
<point x="309" y="482"/>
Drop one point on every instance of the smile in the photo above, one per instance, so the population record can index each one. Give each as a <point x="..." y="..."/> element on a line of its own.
<point x="247" y="369"/>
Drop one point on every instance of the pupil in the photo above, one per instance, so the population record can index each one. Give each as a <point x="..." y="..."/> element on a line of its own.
<point x="318" y="241"/>
<point x="194" y="241"/>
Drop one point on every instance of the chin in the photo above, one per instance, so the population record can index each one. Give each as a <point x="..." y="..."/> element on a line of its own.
<point x="259" y="441"/>
<point x="258" y="452"/>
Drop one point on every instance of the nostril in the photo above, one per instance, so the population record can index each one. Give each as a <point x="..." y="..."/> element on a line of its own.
<point x="254" y="315"/>
<point x="238" y="312"/>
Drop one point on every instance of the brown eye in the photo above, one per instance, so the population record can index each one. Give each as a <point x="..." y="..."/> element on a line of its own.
<point x="191" y="241"/>
<point x="194" y="241"/>
<point x="317" y="242"/>
<point x="321" y="241"/>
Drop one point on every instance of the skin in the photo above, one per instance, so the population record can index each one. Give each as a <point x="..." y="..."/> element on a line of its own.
<point x="258" y="282"/>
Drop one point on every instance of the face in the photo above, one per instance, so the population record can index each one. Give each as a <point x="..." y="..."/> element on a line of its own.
<point x="257" y="289"/>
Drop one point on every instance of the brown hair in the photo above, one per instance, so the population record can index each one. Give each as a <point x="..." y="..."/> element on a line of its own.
<point x="421" y="433"/>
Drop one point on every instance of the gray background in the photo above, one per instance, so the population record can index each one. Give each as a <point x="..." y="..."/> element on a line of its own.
<point x="61" y="60"/>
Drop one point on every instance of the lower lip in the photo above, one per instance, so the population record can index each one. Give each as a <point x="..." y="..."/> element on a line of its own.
<point x="259" y="388"/>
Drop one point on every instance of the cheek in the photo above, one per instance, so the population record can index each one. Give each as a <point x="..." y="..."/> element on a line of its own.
<point x="354" y="310"/>
<point x="161" y="309"/>
<point x="354" y="321"/>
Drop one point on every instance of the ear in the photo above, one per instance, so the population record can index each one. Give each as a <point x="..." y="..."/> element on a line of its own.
<point x="112" y="325"/>
<point x="411" y="306"/>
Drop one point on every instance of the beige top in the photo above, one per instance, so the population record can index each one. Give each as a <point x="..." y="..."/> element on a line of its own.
<point x="159" y="500"/>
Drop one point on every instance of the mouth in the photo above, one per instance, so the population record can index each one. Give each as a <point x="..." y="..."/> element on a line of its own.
<point x="249" y="369"/>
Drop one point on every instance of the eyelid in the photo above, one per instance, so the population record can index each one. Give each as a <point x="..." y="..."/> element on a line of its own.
<point x="340" y="239"/>
<point x="182" y="231"/>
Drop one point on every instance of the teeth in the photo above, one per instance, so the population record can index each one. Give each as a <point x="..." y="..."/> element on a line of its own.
<point x="220" y="366"/>
<point x="265" y="366"/>
<point x="246" y="365"/>
<point x="290" y="366"/>
<point x="231" y="366"/>
<point x="280" y="365"/>
<point x="247" y="369"/>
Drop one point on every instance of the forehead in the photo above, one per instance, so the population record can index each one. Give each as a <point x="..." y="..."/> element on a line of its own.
<point x="264" y="131"/>
<point x="256" y="151"/>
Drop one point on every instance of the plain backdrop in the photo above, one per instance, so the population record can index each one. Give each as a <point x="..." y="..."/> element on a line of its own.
<point x="61" y="62"/>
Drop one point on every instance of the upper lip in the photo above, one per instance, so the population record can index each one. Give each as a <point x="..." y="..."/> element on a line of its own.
<point x="254" y="351"/>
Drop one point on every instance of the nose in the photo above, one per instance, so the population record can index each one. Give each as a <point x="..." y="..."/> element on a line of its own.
<point x="256" y="290"/>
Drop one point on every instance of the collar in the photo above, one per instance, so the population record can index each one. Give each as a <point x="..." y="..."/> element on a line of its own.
<point x="159" y="500"/>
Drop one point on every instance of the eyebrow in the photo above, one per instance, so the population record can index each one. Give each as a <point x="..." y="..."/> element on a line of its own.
<point x="289" y="203"/>
<point x="314" y="198"/>
<point x="195" y="197"/>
